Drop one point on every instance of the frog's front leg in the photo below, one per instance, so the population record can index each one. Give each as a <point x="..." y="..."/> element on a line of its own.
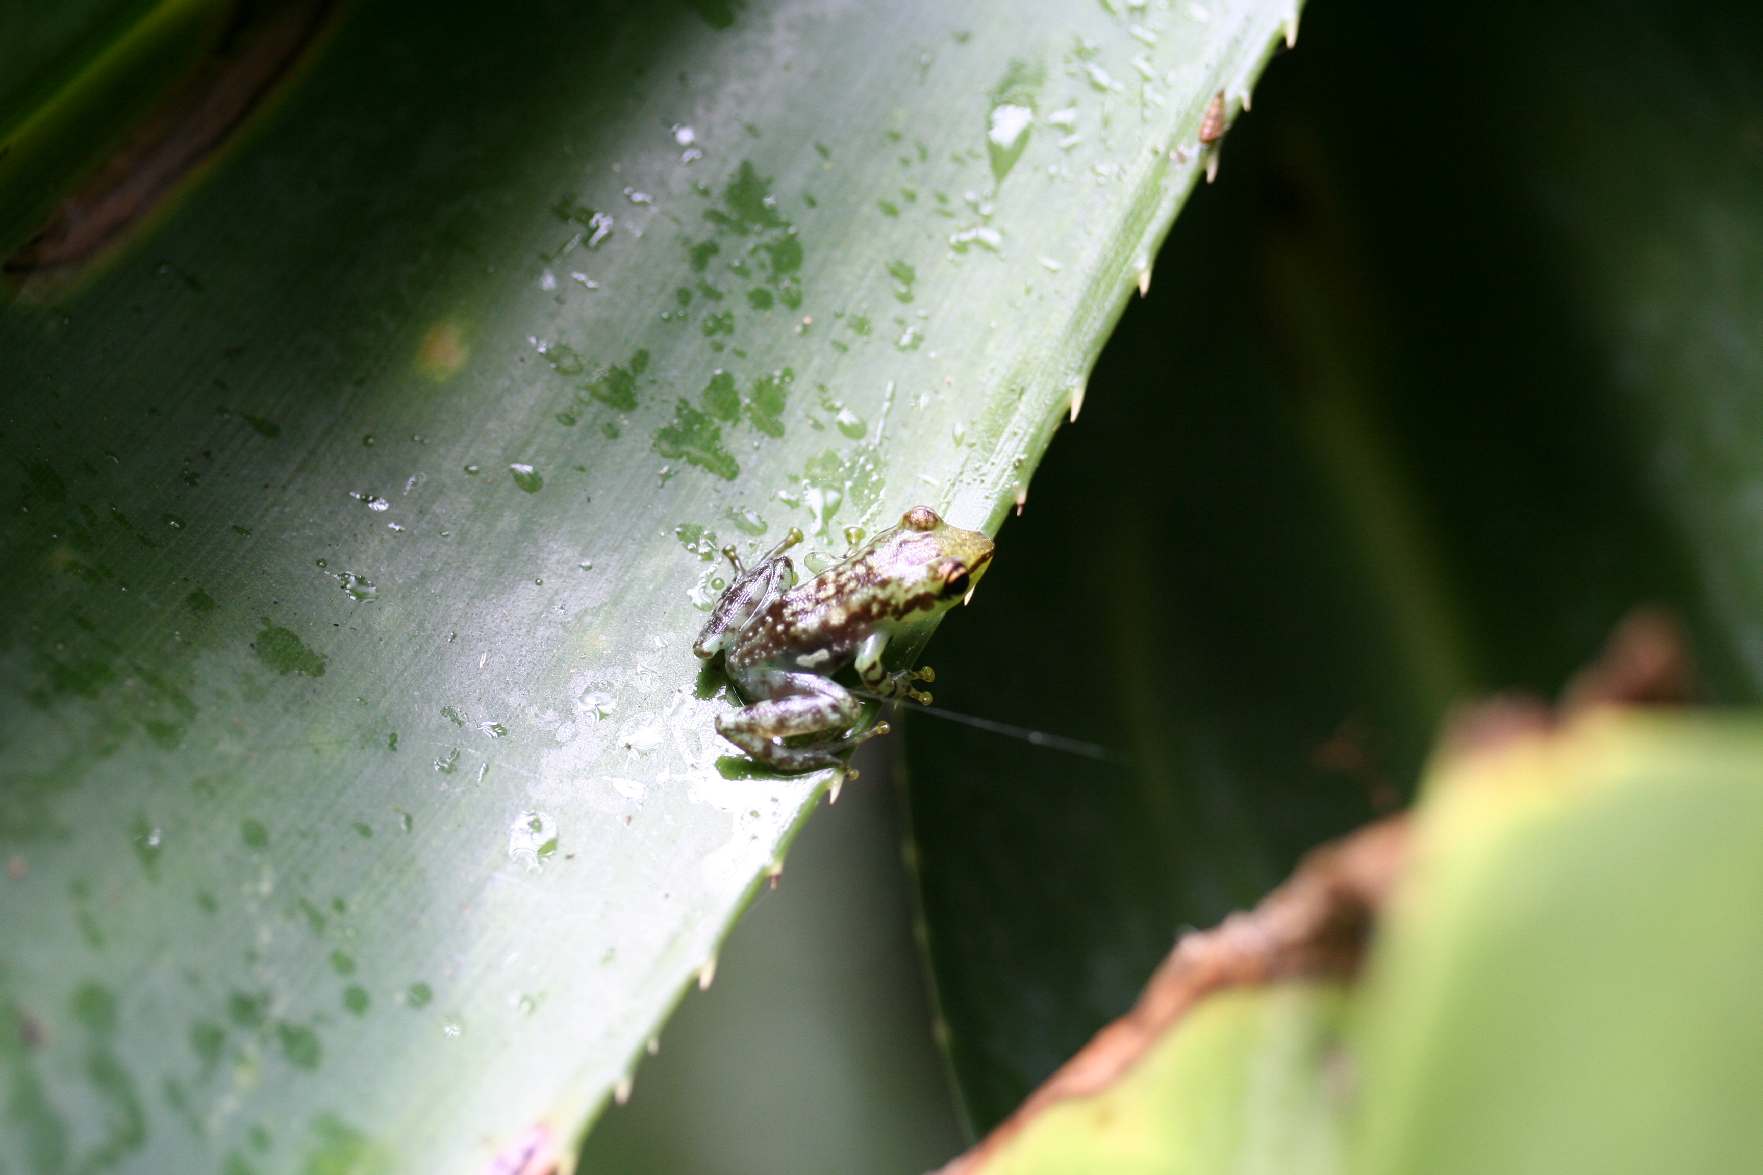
<point x="801" y="705"/>
<point x="752" y="589"/>
<point x="875" y="676"/>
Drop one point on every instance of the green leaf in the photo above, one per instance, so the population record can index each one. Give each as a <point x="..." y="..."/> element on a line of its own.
<point x="818" y="1018"/>
<point x="362" y="808"/>
<point x="1237" y="1086"/>
<point x="1410" y="439"/>
<point x="1569" y="977"/>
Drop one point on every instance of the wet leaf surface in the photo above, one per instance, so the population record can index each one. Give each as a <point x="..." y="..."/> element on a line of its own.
<point x="361" y="806"/>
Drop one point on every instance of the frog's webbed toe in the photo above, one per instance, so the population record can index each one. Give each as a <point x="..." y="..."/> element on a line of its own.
<point x="903" y="683"/>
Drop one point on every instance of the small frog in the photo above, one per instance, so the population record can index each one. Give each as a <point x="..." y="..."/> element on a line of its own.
<point x="782" y="641"/>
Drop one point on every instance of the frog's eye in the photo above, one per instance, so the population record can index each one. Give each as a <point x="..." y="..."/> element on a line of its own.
<point x="955" y="580"/>
<point x="920" y="518"/>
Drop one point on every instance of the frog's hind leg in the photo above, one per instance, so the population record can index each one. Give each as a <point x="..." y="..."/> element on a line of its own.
<point x="762" y="729"/>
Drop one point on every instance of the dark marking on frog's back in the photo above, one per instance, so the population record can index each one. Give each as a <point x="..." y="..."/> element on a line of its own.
<point x="922" y="602"/>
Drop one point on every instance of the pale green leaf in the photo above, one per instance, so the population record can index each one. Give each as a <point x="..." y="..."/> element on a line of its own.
<point x="1569" y="980"/>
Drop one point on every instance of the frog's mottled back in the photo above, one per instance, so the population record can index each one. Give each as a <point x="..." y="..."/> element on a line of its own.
<point x="783" y="641"/>
<point x="900" y="578"/>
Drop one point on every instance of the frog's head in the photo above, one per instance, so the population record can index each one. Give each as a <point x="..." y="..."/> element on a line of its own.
<point x="931" y="564"/>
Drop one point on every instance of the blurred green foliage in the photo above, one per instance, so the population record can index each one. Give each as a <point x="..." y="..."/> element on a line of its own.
<point x="1559" y="981"/>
